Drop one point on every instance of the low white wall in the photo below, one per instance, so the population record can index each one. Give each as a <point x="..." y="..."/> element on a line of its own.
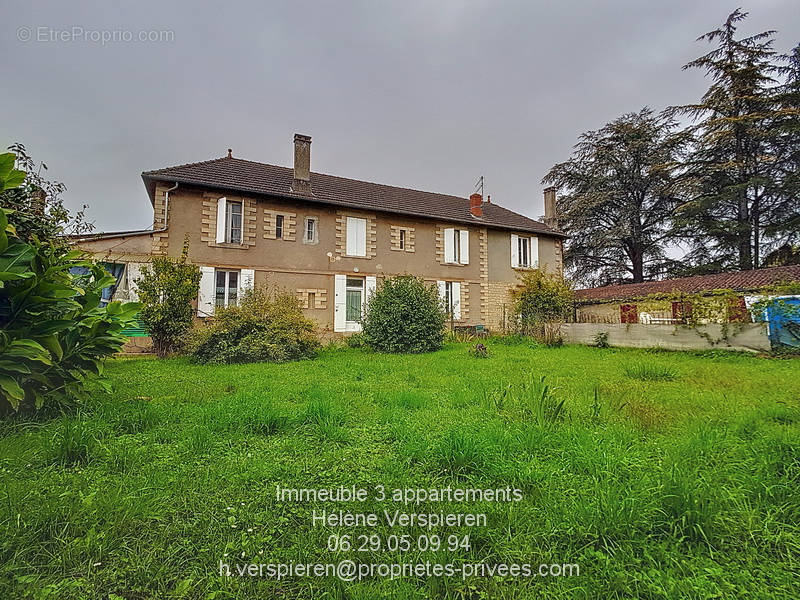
<point x="751" y="336"/>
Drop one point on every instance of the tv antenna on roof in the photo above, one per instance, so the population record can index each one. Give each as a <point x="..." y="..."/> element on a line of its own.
<point x="479" y="185"/>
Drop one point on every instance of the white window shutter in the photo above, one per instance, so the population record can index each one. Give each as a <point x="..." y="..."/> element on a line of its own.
<point x="205" y="300"/>
<point x="464" y="247"/>
<point x="362" y="237"/>
<point x="456" y="287"/>
<point x="449" y="245"/>
<point x="247" y="278"/>
<point x="221" y="205"/>
<point x="352" y="237"/>
<point x="371" y="284"/>
<point x="133" y="272"/>
<point x="442" y="286"/>
<point x="340" y="303"/>
<point x="514" y="251"/>
<point x="534" y="250"/>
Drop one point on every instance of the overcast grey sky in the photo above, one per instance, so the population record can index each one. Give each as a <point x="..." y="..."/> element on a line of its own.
<point x="428" y="95"/>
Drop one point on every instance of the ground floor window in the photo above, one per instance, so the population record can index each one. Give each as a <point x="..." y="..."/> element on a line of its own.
<point x="354" y="299"/>
<point x="450" y="299"/>
<point x="227" y="288"/>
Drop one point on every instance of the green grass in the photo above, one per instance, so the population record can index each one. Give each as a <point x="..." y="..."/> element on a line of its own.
<point x="663" y="475"/>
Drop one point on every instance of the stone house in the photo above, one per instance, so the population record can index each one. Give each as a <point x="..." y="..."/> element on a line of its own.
<point x="329" y="240"/>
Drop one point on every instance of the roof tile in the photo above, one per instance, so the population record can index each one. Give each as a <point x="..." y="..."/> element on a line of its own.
<point x="737" y="281"/>
<point x="270" y="180"/>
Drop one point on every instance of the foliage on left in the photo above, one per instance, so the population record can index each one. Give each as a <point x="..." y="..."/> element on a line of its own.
<point x="54" y="333"/>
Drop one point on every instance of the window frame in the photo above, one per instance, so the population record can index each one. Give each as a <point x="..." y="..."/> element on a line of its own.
<point x="456" y="246"/>
<point x="448" y="299"/>
<point x="350" y="324"/>
<point x="401" y="239"/>
<point x="357" y="237"/>
<point x="229" y="227"/>
<point x="280" y="221"/>
<point x="226" y="300"/>
<point x="524" y="248"/>
<point x="313" y="223"/>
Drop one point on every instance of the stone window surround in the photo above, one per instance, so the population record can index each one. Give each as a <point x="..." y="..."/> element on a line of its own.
<point x="341" y="234"/>
<point x="289" y="225"/>
<point x="306" y="219"/>
<point x="208" y="228"/>
<point x="320" y="297"/>
<point x="440" y="245"/>
<point x="394" y="236"/>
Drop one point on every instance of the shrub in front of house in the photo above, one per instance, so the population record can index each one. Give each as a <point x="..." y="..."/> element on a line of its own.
<point x="542" y="301"/>
<point x="267" y="326"/>
<point x="404" y="315"/>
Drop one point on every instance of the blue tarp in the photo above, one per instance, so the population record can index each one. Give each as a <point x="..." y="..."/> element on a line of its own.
<point x="783" y="316"/>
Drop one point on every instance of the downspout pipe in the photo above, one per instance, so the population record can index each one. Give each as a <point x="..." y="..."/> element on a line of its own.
<point x="166" y="207"/>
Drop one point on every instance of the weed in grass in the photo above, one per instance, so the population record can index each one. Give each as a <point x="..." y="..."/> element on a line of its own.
<point x="333" y="433"/>
<point x="479" y="351"/>
<point x="135" y="416"/>
<point x="541" y="403"/>
<point x="124" y="458"/>
<point x="460" y="452"/>
<point x="199" y="440"/>
<point x="321" y="411"/>
<point x="262" y="419"/>
<point x="74" y="442"/>
<point x="496" y="397"/>
<point x="649" y="371"/>
<point x="601" y="340"/>
<point x="409" y="399"/>
<point x="596" y="407"/>
<point x="687" y="505"/>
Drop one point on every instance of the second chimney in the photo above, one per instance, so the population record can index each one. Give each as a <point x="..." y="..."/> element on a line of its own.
<point x="550" y="218"/>
<point x="475" y="202"/>
<point x="301" y="183"/>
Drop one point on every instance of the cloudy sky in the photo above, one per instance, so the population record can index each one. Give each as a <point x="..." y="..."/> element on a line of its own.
<point x="428" y="95"/>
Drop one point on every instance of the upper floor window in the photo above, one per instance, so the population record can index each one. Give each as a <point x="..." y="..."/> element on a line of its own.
<point x="310" y="233"/>
<point x="278" y="226"/>
<point x="402" y="240"/>
<point x="456" y="246"/>
<point x="356" y="237"/>
<point x="524" y="251"/>
<point x="229" y="221"/>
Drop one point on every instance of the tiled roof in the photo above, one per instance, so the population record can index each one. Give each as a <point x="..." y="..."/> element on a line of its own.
<point x="247" y="176"/>
<point x="737" y="281"/>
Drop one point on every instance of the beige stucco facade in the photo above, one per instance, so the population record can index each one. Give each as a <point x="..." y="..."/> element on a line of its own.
<point x="299" y="266"/>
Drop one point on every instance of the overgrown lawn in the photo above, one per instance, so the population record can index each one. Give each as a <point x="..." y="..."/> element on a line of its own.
<point x="661" y="474"/>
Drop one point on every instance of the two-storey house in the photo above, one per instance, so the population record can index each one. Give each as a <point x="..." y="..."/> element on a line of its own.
<point x="329" y="240"/>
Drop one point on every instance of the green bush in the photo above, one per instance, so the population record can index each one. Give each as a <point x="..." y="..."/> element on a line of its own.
<point x="404" y="315"/>
<point x="54" y="333"/>
<point x="267" y="326"/>
<point x="355" y="340"/>
<point x="166" y="290"/>
<point x="541" y="303"/>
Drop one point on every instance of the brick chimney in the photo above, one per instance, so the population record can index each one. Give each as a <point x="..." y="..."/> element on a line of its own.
<point x="550" y="218"/>
<point x="475" y="202"/>
<point x="301" y="183"/>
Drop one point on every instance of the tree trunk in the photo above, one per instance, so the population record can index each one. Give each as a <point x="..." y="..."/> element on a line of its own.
<point x="756" y="235"/>
<point x="637" y="260"/>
